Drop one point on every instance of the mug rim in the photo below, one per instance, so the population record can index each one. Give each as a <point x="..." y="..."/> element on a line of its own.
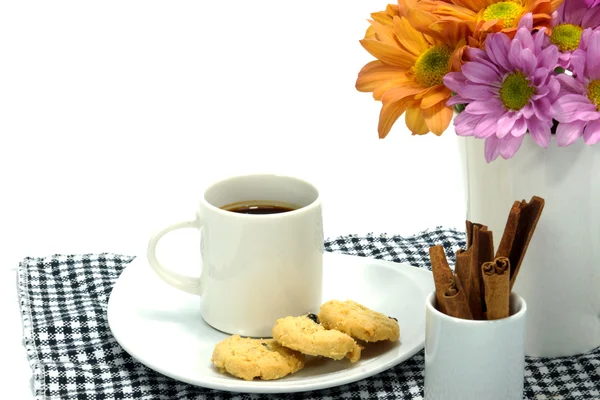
<point x="518" y="315"/>
<point x="315" y="203"/>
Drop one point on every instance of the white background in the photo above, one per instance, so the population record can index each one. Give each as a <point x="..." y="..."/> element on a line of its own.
<point x="115" y="114"/>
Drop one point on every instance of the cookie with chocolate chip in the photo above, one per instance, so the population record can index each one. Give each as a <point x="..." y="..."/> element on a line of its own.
<point x="256" y="358"/>
<point x="306" y="335"/>
<point x="358" y="321"/>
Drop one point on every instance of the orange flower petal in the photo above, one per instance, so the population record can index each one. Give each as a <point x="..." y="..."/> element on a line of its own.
<point x="390" y="112"/>
<point x="415" y="121"/>
<point x="382" y="17"/>
<point x="474" y="5"/>
<point x="411" y="39"/>
<point x="437" y="117"/>
<point x="420" y="19"/>
<point x="402" y="81"/>
<point x="399" y="92"/>
<point x="384" y="33"/>
<point x="376" y="73"/>
<point x="370" y="33"/>
<point x="388" y="54"/>
<point x="434" y="95"/>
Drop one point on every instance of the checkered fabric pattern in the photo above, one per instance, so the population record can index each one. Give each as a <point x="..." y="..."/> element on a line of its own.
<point x="74" y="356"/>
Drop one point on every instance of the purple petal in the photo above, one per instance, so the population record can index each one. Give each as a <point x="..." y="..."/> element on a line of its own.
<point x="593" y="55"/>
<point x="524" y="36"/>
<point x="526" y="22"/>
<point x="591" y="135"/>
<point x="483" y="107"/>
<point x="564" y="60"/>
<point x="479" y="73"/>
<point x="554" y="86"/>
<point x="527" y="62"/>
<point x="578" y="63"/>
<point x="540" y="91"/>
<point x="486" y="127"/>
<point x="474" y="54"/>
<point x="572" y="107"/>
<point x="505" y="123"/>
<point x="465" y="123"/>
<point x="454" y="81"/>
<point x="491" y="149"/>
<point x="574" y="10"/>
<point x="497" y="46"/>
<point x="591" y="19"/>
<point x="548" y="58"/>
<point x="456" y="99"/>
<point x="528" y="111"/>
<point x="569" y="85"/>
<point x="539" y="38"/>
<point x="509" y="146"/>
<point x="519" y="128"/>
<point x="539" y="131"/>
<point x="592" y="3"/>
<point x="477" y="92"/>
<point x="585" y="38"/>
<point x="559" y="15"/>
<point x="514" y="53"/>
<point x="568" y="133"/>
<point x="543" y="109"/>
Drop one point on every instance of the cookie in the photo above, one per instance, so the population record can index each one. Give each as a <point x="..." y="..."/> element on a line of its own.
<point x="358" y="321"/>
<point x="255" y="358"/>
<point x="306" y="335"/>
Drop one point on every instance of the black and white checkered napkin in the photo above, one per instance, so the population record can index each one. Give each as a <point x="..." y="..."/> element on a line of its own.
<point x="74" y="356"/>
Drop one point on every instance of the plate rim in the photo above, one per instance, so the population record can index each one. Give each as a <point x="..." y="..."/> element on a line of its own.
<point x="420" y="277"/>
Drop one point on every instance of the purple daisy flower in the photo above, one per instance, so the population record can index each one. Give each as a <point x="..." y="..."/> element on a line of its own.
<point x="569" y="22"/>
<point x="509" y="89"/>
<point x="577" y="109"/>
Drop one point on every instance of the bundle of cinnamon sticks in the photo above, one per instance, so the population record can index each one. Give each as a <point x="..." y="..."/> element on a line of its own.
<point x="480" y="285"/>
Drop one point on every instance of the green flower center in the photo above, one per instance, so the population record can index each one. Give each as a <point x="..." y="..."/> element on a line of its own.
<point x="507" y="11"/>
<point x="594" y="93"/>
<point x="432" y="65"/>
<point x="566" y="36"/>
<point x="516" y="91"/>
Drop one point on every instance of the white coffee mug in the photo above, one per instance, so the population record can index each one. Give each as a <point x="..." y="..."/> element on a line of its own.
<point x="475" y="360"/>
<point x="256" y="268"/>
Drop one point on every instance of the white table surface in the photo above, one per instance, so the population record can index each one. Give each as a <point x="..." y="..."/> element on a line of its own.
<point x="114" y="115"/>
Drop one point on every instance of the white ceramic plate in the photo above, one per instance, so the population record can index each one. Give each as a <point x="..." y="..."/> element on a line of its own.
<point x="162" y="327"/>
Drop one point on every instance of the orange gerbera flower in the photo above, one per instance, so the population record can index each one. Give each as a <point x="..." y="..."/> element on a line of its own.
<point x="407" y="75"/>
<point x="487" y="16"/>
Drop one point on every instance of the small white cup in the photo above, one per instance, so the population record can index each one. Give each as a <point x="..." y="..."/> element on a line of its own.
<point x="255" y="268"/>
<point x="475" y="360"/>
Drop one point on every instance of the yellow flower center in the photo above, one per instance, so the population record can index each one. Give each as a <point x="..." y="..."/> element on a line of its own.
<point x="507" y="11"/>
<point x="432" y="65"/>
<point x="594" y="93"/>
<point x="516" y="91"/>
<point x="566" y="36"/>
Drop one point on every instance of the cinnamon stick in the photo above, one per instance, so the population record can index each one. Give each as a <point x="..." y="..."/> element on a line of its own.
<point x="442" y="274"/>
<point x="462" y="268"/>
<point x="529" y="216"/>
<point x="510" y="231"/>
<point x="455" y="300"/>
<point x="470" y="228"/>
<point x="482" y="250"/>
<point x="496" y="280"/>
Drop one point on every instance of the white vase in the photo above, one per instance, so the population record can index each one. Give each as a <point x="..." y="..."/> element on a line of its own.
<point x="560" y="275"/>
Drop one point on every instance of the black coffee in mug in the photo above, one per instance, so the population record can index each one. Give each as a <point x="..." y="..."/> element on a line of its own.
<point x="259" y="207"/>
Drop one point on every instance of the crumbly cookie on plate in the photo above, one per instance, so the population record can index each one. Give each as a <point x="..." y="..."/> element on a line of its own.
<point x="358" y="321"/>
<point x="256" y="358"/>
<point x="306" y="335"/>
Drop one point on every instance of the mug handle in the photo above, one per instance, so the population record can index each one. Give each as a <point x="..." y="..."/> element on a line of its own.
<point x="189" y="284"/>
